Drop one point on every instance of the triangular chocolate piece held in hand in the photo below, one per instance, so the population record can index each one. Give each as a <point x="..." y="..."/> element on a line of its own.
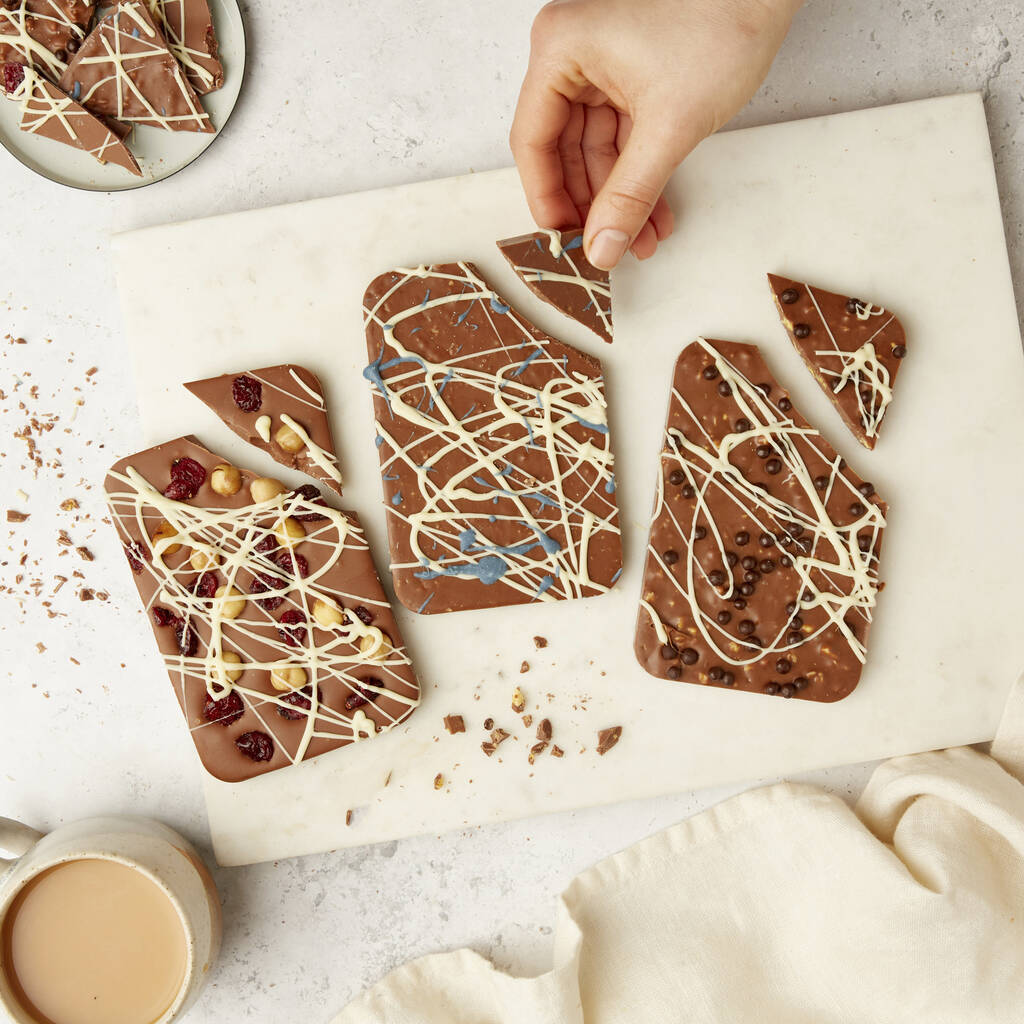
<point x="48" y="113"/>
<point x="188" y="28"/>
<point x="552" y="264"/>
<point x="125" y="70"/>
<point x="280" y="409"/>
<point x="43" y="34"/>
<point x="854" y="349"/>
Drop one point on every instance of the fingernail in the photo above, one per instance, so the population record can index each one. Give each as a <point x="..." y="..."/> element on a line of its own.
<point x="607" y="247"/>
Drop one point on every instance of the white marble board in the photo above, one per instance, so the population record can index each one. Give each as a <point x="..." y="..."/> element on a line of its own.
<point x="897" y="204"/>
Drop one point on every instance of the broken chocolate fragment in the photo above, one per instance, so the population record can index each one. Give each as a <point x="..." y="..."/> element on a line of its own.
<point x="607" y="738"/>
<point x="454" y="724"/>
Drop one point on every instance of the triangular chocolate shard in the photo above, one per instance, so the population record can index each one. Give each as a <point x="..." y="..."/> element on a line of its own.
<point x="552" y="264"/>
<point x="125" y="70"/>
<point x="48" y="113"/>
<point x="762" y="559"/>
<point x="188" y="28"/>
<point x="43" y="34"/>
<point x="854" y="349"/>
<point x="281" y="410"/>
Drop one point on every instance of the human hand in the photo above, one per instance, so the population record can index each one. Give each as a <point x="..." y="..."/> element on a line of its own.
<point x="617" y="94"/>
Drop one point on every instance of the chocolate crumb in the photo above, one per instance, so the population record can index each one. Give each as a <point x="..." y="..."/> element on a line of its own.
<point x="607" y="738"/>
<point x="539" y="748"/>
<point x="438" y="781"/>
<point x="557" y="752"/>
<point x="348" y="817"/>
<point x="498" y="736"/>
<point x="544" y="730"/>
<point x="540" y="642"/>
<point x="85" y="553"/>
<point x="85" y="594"/>
<point x="488" y="724"/>
<point x="16" y="517"/>
<point x="63" y="538"/>
<point x="525" y="667"/>
<point x="527" y="720"/>
<point x="488" y="748"/>
<point x="518" y="701"/>
<point x="454" y="724"/>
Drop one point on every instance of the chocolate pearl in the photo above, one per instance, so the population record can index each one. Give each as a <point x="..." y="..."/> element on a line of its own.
<point x="794" y="638"/>
<point x="716" y="577"/>
<point x="689" y="656"/>
<point x="724" y="388"/>
<point x="795" y="530"/>
<point x="742" y="425"/>
<point x="699" y="533"/>
<point x="676" y="477"/>
<point x="791" y="607"/>
<point x="688" y="491"/>
<point x="742" y="538"/>
<point x="783" y="665"/>
<point x="864" y="542"/>
<point x="785" y="561"/>
<point x="852" y="304"/>
<point x="746" y="589"/>
<point x="821" y="482"/>
<point x="728" y="679"/>
<point x="751" y="576"/>
<point x="785" y="404"/>
<point x="762" y="451"/>
<point x="739" y="604"/>
<point x="710" y="371"/>
<point x="842" y="465"/>
<point x="755" y="641"/>
<point x="767" y="540"/>
<point x="61" y="55"/>
<point x="789" y="296"/>
<point x="867" y="397"/>
<point x="766" y="565"/>
<point x="670" y="557"/>
<point x="802" y="330"/>
<point x="899" y="351"/>
<point x="796" y="622"/>
<point x="807" y="595"/>
<point x="773" y="466"/>
<point x="746" y="627"/>
<point x="724" y="618"/>
<point x="788" y="689"/>
<point x="765" y="389"/>
<point x="801" y="682"/>
<point x="749" y="562"/>
<point x="771" y="689"/>
<point x="731" y="558"/>
<point x="857" y="509"/>
<point x="673" y="672"/>
<point x="715" y="672"/>
<point x="73" y="45"/>
<point x="867" y="489"/>
<point x="668" y="652"/>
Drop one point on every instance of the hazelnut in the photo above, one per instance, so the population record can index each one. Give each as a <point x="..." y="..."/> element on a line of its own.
<point x="375" y="644"/>
<point x="293" y="678"/>
<point x="233" y="604"/>
<point x="203" y="560"/>
<point x="289" y="531"/>
<point x="226" y="480"/>
<point x="327" y="613"/>
<point x="163" y="531"/>
<point x="263" y="488"/>
<point x="288" y="439"/>
<point x="230" y="658"/>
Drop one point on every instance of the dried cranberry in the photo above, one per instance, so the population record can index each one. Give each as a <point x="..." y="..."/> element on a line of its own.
<point x="293" y="635"/>
<point x="14" y="74"/>
<point x="206" y="585"/>
<point x="363" y="615"/>
<point x="225" y="711"/>
<point x="187" y="476"/>
<point x="256" y="745"/>
<point x="312" y="496"/>
<point x="361" y="695"/>
<point x="163" y="616"/>
<point x="292" y="563"/>
<point x="297" y="699"/>
<point x="133" y="552"/>
<point x="268" y="543"/>
<point x="178" y="491"/>
<point x="260" y="585"/>
<point x="247" y="393"/>
<point x="188" y="642"/>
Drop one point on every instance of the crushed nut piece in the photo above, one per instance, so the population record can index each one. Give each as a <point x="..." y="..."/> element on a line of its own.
<point x="527" y="720"/>
<point x="438" y="781"/>
<point x="518" y="701"/>
<point x="69" y="505"/>
<point x="525" y="667"/>
<point x="454" y="724"/>
<point x="607" y="738"/>
<point x="63" y="538"/>
<point x="544" y="730"/>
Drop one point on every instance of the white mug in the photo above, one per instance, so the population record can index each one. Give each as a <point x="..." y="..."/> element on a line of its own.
<point x="149" y="847"/>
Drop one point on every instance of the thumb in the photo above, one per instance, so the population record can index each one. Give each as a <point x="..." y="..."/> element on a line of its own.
<point x="621" y="208"/>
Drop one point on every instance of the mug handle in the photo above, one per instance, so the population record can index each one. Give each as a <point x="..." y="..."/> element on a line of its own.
<point x="16" y="839"/>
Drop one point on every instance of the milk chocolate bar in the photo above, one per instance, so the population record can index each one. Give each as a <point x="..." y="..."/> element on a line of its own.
<point x="853" y="348"/>
<point x="125" y="70"/>
<point x="762" y="561"/>
<point x="43" y="34"/>
<point x="552" y="264"/>
<point x="281" y="410"/>
<point x="277" y="636"/>
<point x="494" y="449"/>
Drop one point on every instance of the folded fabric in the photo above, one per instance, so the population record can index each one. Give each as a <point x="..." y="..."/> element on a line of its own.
<point x="781" y="905"/>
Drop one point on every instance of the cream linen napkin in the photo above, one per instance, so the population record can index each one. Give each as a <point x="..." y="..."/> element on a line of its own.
<point x="781" y="905"/>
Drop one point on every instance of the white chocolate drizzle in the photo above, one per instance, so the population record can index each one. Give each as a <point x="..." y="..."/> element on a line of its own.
<point x="511" y="418"/>
<point x="834" y="574"/>
<point x="327" y="655"/>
